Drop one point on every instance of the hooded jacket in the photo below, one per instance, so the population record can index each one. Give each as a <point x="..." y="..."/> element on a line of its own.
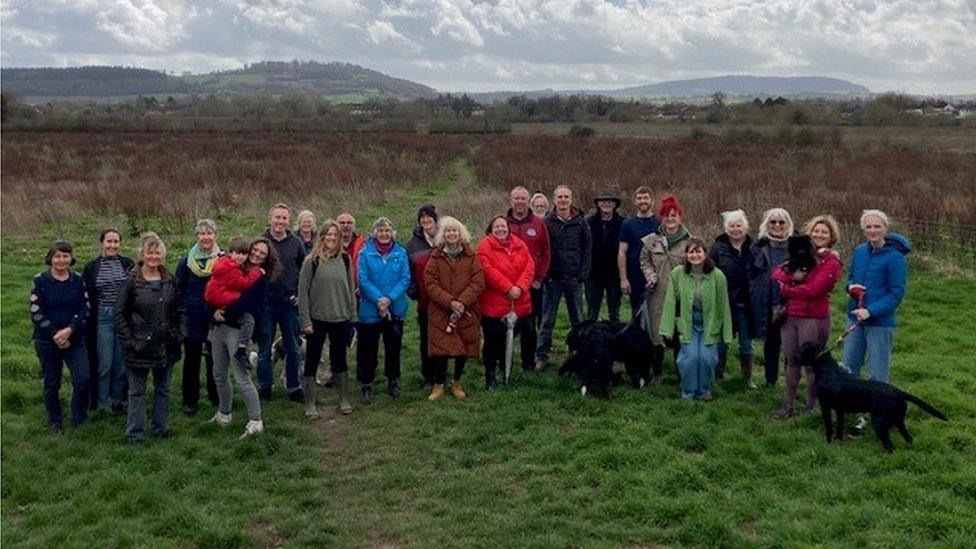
<point x="291" y="255"/>
<point x="883" y="273"/>
<point x="147" y="320"/>
<point x="447" y="280"/>
<point x="504" y="267"/>
<point x="383" y="276"/>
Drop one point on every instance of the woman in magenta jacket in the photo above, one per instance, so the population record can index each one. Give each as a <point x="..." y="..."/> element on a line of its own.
<point x="807" y="296"/>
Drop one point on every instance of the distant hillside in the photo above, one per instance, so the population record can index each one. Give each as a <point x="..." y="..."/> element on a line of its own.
<point x="752" y="86"/>
<point x="333" y="79"/>
<point x="746" y="85"/>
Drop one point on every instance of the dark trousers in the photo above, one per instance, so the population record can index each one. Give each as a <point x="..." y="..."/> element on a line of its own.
<point x="638" y="290"/>
<point x="194" y="351"/>
<point x="594" y="298"/>
<point x="135" y="426"/>
<point x="285" y="316"/>
<point x="771" y="351"/>
<point x="554" y="291"/>
<point x="439" y="365"/>
<point x="536" y="295"/>
<point x="76" y="358"/>
<point x="493" y="348"/>
<point x="367" y="350"/>
<point x="426" y="367"/>
<point x="338" y="336"/>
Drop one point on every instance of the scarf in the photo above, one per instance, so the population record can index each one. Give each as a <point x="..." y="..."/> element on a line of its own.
<point x="673" y="239"/>
<point x="201" y="263"/>
<point x="453" y="252"/>
<point x="383" y="249"/>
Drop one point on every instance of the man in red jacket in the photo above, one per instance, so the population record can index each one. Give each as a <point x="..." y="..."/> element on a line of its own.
<point x="533" y="231"/>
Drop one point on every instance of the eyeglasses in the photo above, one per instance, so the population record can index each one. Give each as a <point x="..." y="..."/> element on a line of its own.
<point x="777" y="222"/>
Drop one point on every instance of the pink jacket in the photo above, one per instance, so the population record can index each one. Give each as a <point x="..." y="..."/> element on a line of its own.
<point x="811" y="297"/>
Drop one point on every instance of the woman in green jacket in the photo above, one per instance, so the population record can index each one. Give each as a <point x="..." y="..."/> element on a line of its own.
<point x="697" y="303"/>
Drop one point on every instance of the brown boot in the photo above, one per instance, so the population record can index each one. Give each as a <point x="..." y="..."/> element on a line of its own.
<point x="436" y="393"/>
<point x="456" y="390"/>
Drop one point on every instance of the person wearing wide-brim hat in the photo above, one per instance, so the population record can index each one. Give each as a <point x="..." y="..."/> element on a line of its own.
<point x="605" y="226"/>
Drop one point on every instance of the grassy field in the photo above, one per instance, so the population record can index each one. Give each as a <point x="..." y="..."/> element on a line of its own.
<point x="532" y="464"/>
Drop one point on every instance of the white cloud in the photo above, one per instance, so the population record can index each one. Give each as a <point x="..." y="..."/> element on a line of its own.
<point x="467" y="44"/>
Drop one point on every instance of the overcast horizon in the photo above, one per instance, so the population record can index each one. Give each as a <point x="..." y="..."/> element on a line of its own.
<point x="458" y="45"/>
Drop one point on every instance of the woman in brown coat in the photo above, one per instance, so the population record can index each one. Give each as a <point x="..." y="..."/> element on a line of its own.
<point x="454" y="281"/>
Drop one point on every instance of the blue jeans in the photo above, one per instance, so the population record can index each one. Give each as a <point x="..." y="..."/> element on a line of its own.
<point x="696" y="363"/>
<point x="552" y="292"/>
<point x="111" y="368"/>
<point x="876" y="342"/>
<point x="135" y="425"/>
<point x="76" y="357"/>
<point x="285" y="316"/>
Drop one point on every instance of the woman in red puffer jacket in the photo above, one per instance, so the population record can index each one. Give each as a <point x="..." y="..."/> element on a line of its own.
<point x="807" y="297"/>
<point x="508" y="268"/>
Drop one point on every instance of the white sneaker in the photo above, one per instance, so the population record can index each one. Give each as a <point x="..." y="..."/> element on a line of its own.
<point x="221" y="419"/>
<point x="253" y="428"/>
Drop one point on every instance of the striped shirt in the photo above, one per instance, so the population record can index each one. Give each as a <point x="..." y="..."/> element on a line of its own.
<point x="109" y="280"/>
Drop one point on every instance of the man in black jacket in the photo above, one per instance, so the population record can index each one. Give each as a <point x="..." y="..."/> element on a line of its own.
<point x="604" y="277"/>
<point x="570" y="246"/>
<point x="281" y="307"/>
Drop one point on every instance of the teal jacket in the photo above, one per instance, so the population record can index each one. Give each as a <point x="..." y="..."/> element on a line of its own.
<point x="716" y="314"/>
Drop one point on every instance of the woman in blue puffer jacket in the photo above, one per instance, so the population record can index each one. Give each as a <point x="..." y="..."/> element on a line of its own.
<point x="384" y="275"/>
<point x="876" y="284"/>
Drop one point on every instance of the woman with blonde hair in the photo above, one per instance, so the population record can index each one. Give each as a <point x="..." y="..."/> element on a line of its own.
<point x="769" y="251"/>
<point x="305" y="230"/>
<point x="454" y="282"/>
<point x="147" y="322"/>
<point x="327" y="310"/>
<point x="807" y="312"/>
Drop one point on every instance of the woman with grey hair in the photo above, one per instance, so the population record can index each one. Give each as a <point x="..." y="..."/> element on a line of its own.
<point x="876" y="284"/>
<point x="147" y="322"/>
<point x="192" y="274"/>
<point x="305" y="230"/>
<point x="384" y="275"/>
<point x="732" y="254"/>
<point x="769" y="251"/>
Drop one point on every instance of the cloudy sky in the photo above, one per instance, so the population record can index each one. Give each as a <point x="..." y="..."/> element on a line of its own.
<point x="924" y="46"/>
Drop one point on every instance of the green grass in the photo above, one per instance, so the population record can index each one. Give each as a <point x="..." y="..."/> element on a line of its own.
<point x="532" y="464"/>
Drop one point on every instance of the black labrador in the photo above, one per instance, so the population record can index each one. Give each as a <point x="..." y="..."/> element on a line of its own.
<point x="592" y="346"/>
<point x="840" y="391"/>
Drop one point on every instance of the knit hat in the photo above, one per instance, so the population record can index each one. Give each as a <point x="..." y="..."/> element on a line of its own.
<point x="427" y="209"/>
<point x="607" y="194"/>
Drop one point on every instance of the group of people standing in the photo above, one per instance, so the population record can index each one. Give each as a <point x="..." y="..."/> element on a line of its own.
<point x="125" y="319"/>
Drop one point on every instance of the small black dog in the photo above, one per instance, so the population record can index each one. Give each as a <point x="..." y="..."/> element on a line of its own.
<point x="633" y="347"/>
<point x="802" y="256"/>
<point x="840" y="391"/>
<point x="592" y="347"/>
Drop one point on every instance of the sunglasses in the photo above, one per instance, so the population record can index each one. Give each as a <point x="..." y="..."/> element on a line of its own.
<point x="777" y="222"/>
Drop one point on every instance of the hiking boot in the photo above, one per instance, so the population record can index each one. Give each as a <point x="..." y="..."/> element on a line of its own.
<point x="297" y="395"/>
<point x="264" y="393"/>
<point x="308" y="390"/>
<point x="342" y="386"/>
<point x="457" y="391"/>
<point x="393" y="388"/>
<point x="253" y="428"/>
<point x="860" y="425"/>
<point x="540" y="364"/>
<point x="222" y="419"/>
<point x="746" y="367"/>
<point x="784" y="412"/>
<point x="367" y="391"/>
<point x="57" y="429"/>
<point x="189" y="410"/>
<point x="436" y="393"/>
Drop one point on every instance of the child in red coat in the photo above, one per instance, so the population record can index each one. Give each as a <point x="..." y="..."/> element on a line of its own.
<point x="224" y="289"/>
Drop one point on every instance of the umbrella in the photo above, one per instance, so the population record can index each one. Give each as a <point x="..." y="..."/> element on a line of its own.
<point x="510" y="320"/>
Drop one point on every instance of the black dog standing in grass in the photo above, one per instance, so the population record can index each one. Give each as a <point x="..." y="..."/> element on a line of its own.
<point x="595" y="347"/>
<point x="840" y="391"/>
